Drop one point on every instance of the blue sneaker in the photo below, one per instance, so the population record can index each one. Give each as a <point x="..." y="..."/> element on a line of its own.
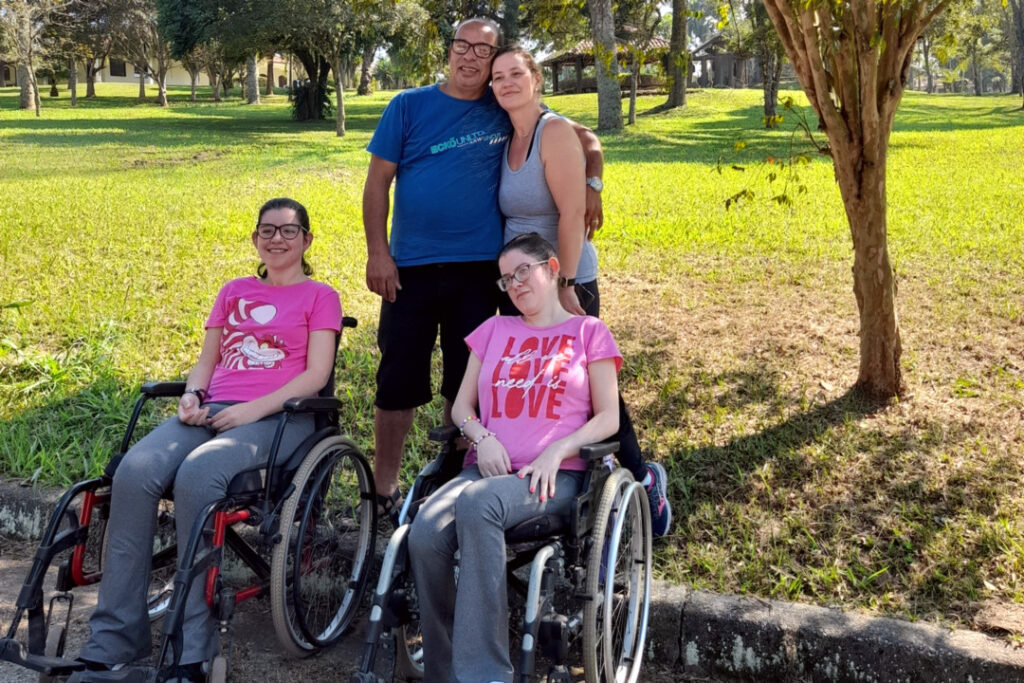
<point x="657" y="495"/>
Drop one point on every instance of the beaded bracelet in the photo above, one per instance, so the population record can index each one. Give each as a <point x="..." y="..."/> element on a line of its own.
<point x="469" y="418"/>
<point x="477" y="442"/>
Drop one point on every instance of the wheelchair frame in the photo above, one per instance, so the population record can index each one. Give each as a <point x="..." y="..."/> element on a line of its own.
<point x="282" y="507"/>
<point x="608" y="617"/>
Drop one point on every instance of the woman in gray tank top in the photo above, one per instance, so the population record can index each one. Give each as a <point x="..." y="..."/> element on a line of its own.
<point x="543" y="182"/>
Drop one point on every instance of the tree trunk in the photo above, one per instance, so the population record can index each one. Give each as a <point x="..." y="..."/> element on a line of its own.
<point x="364" y="75"/>
<point x="1017" y="7"/>
<point x="862" y="185"/>
<point x="27" y="96"/>
<point x="54" y="92"/>
<point x="678" y="56"/>
<point x="73" y="81"/>
<point x="252" y="80"/>
<point x="510" y="20"/>
<point x="212" y="74"/>
<point x="926" y="50"/>
<point x="194" y="76"/>
<point x="161" y="84"/>
<point x="90" y="77"/>
<point x="270" y="74"/>
<point x="609" y="98"/>
<point x="3" y="74"/>
<point x="975" y="69"/>
<point x="771" y="74"/>
<point x="339" y="89"/>
<point x="633" y="78"/>
<point x="142" y="83"/>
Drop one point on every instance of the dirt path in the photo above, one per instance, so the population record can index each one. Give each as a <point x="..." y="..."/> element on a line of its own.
<point x="256" y="652"/>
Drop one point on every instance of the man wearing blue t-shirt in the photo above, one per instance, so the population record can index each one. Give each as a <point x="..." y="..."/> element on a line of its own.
<point x="441" y="145"/>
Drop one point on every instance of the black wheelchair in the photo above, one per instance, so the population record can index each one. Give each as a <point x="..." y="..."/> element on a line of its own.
<point x="587" y="593"/>
<point x="305" y="526"/>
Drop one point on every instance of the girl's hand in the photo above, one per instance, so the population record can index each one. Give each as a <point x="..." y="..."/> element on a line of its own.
<point x="190" y="412"/>
<point x="492" y="458"/>
<point x="235" y="416"/>
<point x="543" y="471"/>
<point x="570" y="302"/>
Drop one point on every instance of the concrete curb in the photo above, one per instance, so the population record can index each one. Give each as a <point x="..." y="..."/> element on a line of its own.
<point x="726" y="637"/>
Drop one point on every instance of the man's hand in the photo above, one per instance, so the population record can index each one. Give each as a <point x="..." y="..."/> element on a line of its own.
<point x="593" y="218"/>
<point x="382" y="277"/>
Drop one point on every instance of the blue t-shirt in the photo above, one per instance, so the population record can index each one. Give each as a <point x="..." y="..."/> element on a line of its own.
<point x="448" y="153"/>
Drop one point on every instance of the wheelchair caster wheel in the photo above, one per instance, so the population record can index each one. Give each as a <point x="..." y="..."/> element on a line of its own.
<point x="218" y="670"/>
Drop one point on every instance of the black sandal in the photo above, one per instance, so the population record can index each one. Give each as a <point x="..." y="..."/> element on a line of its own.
<point x="390" y="506"/>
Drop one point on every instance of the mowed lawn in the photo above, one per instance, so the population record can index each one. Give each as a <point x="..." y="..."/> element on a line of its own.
<point x="119" y="221"/>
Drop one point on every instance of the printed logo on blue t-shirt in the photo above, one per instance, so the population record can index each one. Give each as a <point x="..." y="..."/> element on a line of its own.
<point x="468" y="139"/>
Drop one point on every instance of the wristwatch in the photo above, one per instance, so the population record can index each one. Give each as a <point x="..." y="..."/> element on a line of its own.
<point x="566" y="282"/>
<point x="595" y="184"/>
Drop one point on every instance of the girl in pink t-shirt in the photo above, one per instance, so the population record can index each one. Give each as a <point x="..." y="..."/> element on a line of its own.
<point x="268" y="339"/>
<point x="545" y="383"/>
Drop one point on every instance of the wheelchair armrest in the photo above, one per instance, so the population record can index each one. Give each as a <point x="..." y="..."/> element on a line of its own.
<point x="349" y="321"/>
<point x="312" y="405"/>
<point x="596" y="451"/>
<point x="443" y="433"/>
<point x="162" y="389"/>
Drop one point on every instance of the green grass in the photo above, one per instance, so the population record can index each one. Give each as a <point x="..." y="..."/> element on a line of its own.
<point x="120" y="221"/>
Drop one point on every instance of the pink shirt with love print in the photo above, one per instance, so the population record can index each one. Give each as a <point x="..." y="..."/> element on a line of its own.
<point x="534" y="386"/>
<point x="265" y="334"/>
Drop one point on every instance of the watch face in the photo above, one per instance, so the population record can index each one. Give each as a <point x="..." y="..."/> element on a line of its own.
<point x="595" y="184"/>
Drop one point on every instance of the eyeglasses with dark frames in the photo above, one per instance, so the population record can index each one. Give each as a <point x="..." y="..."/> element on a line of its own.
<point x="481" y="50"/>
<point x="289" y="231"/>
<point x="520" y="274"/>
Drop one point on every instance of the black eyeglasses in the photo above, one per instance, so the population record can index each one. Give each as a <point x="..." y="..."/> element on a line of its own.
<point x="289" y="231"/>
<point x="520" y="274"/>
<point x="481" y="50"/>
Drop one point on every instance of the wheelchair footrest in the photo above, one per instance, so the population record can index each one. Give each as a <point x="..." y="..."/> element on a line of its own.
<point x="132" y="675"/>
<point x="16" y="653"/>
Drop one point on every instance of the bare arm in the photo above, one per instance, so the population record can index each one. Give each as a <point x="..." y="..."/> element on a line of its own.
<point x="381" y="272"/>
<point x="604" y="392"/>
<point x="189" y="410"/>
<point x="491" y="456"/>
<point x="319" y="360"/>
<point x="594" y="160"/>
<point x="563" y="171"/>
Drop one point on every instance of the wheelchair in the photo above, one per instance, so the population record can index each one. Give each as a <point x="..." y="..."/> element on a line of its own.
<point x="305" y="527"/>
<point x="588" y="586"/>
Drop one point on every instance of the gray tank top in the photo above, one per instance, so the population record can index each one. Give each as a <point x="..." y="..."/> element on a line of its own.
<point x="528" y="206"/>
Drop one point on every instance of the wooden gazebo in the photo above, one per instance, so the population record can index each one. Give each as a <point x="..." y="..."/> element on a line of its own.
<point x="582" y="55"/>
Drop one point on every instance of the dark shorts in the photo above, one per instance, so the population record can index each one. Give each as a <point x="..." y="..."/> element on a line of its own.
<point x="454" y="298"/>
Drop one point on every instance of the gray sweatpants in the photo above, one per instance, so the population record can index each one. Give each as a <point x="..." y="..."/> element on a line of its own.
<point x="465" y="629"/>
<point x="199" y="463"/>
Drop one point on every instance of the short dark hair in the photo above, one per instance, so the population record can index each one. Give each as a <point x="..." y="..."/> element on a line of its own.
<point x="530" y="243"/>
<point x="300" y="213"/>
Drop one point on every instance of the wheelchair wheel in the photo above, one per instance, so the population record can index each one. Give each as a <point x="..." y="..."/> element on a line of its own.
<point x="320" y="566"/>
<point x="409" y="638"/>
<point x="618" y="582"/>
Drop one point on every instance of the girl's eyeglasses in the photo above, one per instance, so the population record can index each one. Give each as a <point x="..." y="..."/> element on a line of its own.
<point x="520" y="274"/>
<point x="289" y="231"/>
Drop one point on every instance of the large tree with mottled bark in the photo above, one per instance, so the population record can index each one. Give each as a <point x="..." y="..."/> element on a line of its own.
<point x="609" y="99"/>
<point x="852" y="58"/>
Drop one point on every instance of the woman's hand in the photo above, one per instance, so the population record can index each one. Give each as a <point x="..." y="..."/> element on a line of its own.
<point x="492" y="458"/>
<point x="570" y="302"/>
<point x="235" y="416"/>
<point x="190" y="412"/>
<point x="543" y="471"/>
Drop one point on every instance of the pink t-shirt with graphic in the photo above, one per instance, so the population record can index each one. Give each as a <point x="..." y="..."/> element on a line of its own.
<point x="266" y="333"/>
<point x="534" y="386"/>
